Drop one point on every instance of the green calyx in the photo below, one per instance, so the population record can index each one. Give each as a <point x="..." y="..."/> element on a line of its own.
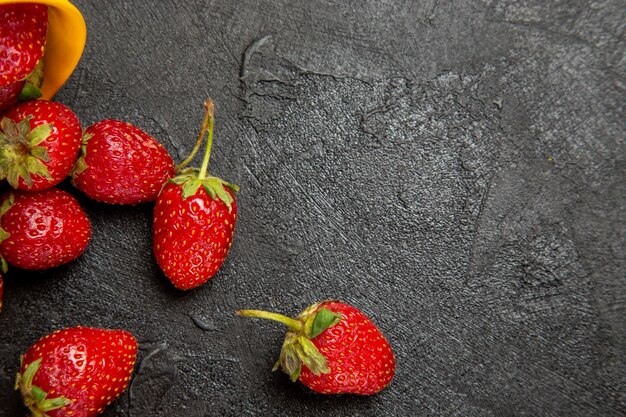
<point x="21" y="153"/>
<point x="31" y="89"/>
<point x="29" y="92"/>
<point x="191" y="179"/>
<point x="4" y="267"/>
<point x="6" y="206"/>
<point x="298" y="349"/>
<point x="80" y="164"/>
<point x="34" y="397"/>
<point x="215" y="187"/>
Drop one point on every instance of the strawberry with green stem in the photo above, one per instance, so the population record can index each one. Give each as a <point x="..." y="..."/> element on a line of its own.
<point x="194" y="218"/>
<point x="333" y="348"/>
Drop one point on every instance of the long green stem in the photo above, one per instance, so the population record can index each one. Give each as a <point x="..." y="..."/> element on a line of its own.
<point x="293" y="324"/>
<point x="209" y="143"/>
<point x="208" y="119"/>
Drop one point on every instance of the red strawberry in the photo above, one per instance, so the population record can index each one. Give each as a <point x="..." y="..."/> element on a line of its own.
<point x="81" y="369"/>
<point x="333" y="348"/>
<point x="22" y="37"/>
<point x="194" y="220"/>
<point x="121" y="164"/>
<point x="41" y="230"/>
<point x="9" y="95"/>
<point x="39" y="143"/>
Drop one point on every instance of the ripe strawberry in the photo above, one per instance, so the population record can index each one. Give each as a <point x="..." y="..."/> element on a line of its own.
<point x="194" y="220"/>
<point x="23" y="30"/>
<point x="39" y="143"/>
<point x="333" y="348"/>
<point x="121" y="164"/>
<point x="41" y="230"/>
<point x="9" y="95"/>
<point x="81" y="369"/>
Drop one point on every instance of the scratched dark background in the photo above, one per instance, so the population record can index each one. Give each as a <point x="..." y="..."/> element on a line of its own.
<point x="455" y="169"/>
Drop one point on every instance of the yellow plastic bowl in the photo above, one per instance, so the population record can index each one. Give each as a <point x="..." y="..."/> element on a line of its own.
<point x="65" y="42"/>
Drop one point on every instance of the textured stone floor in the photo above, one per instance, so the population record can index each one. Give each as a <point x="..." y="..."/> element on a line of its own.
<point x="455" y="169"/>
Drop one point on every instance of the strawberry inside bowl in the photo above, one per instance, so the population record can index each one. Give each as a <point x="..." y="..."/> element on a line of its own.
<point x="65" y="41"/>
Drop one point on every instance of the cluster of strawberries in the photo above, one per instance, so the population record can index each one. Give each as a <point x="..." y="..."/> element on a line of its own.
<point x="330" y="347"/>
<point x="114" y="162"/>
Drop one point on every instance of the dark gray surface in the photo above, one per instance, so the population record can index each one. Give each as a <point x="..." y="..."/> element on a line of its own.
<point x="455" y="169"/>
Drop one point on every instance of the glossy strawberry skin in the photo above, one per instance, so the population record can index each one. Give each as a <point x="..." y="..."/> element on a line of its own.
<point x="46" y="229"/>
<point x="192" y="236"/>
<point x="22" y="38"/>
<point x="63" y="144"/>
<point x="359" y="357"/>
<point x="90" y="367"/>
<point x="9" y="95"/>
<point x="123" y="164"/>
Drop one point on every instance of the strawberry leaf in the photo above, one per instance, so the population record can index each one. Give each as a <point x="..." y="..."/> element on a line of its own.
<point x="3" y="236"/>
<point x="24" y="127"/>
<point x="185" y="175"/>
<point x="53" y="404"/>
<point x="190" y="188"/>
<point x="298" y="350"/>
<point x="29" y="373"/>
<point x="22" y="171"/>
<point x="311" y="357"/>
<point x="209" y="189"/>
<point x="40" y="152"/>
<point x="35" y="78"/>
<point x="38" y="394"/>
<point x="233" y="187"/>
<point x="179" y="180"/>
<point x="29" y="92"/>
<point x="86" y="138"/>
<point x="6" y="204"/>
<point x="4" y="267"/>
<point x="13" y="177"/>
<point x="323" y="320"/>
<point x="290" y="361"/>
<point x="35" y="166"/>
<point x="79" y="167"/>
<point x="222" y="194"/>
<point x="40" y="133"/>
<point x="9" y="127"/>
